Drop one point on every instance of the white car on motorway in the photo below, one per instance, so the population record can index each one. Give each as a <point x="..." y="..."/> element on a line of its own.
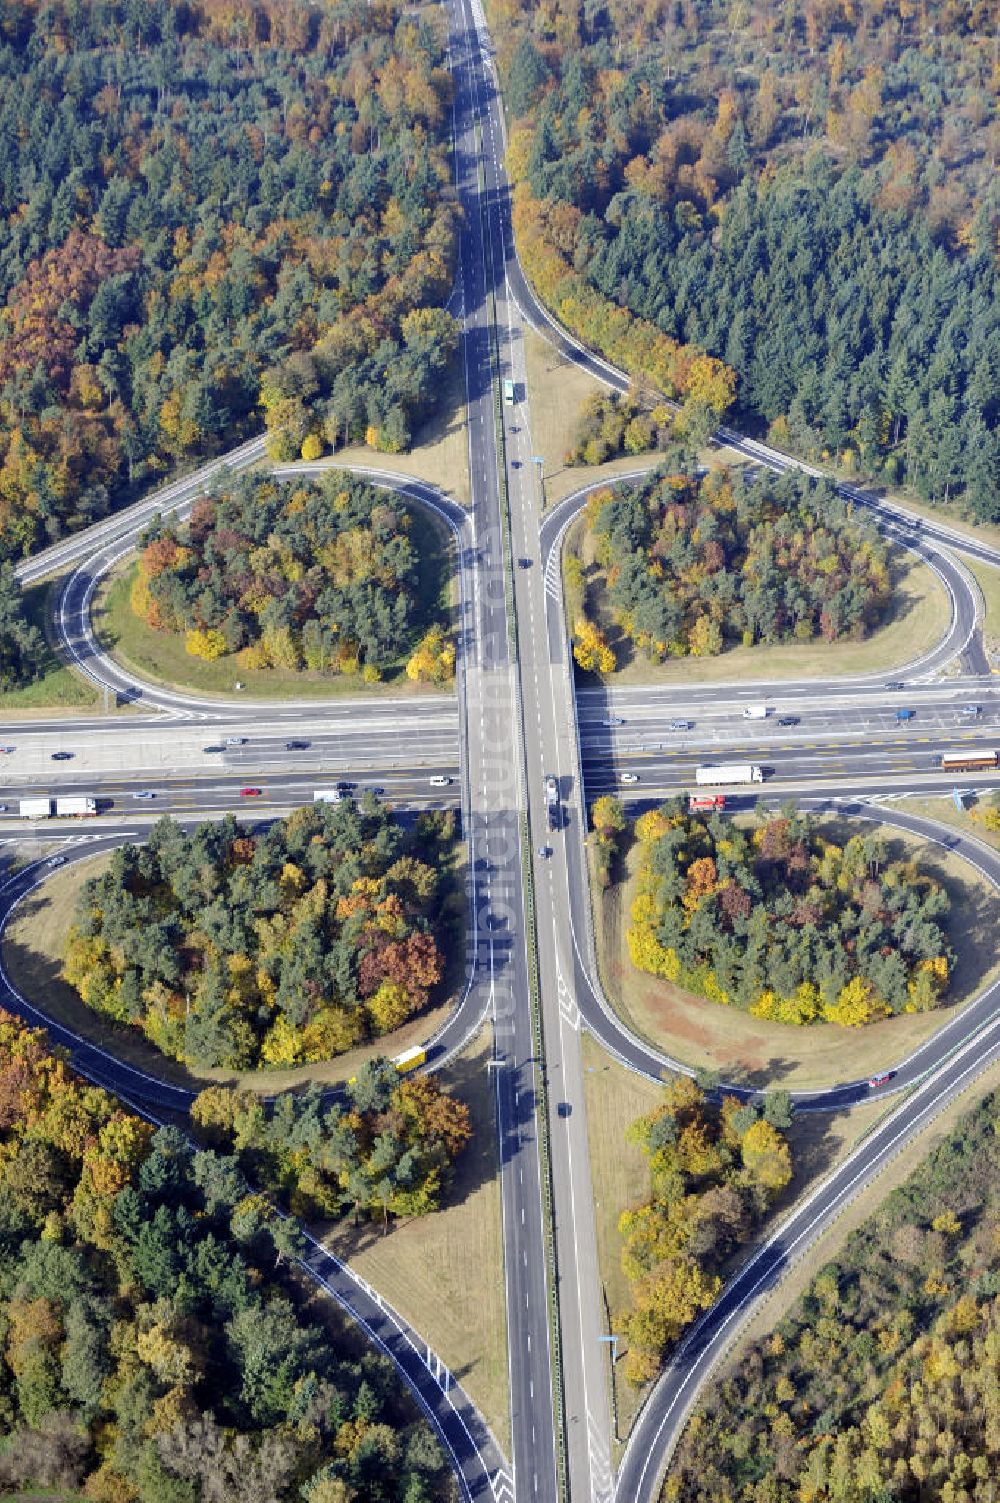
<point x="440" y="781"/>
<point x="630" y="777"/>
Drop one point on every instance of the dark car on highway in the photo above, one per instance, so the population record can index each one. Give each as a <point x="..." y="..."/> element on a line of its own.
<point x="62" y="756"/>
<point x="296" y="745"/>
<point x="788" y="720"/>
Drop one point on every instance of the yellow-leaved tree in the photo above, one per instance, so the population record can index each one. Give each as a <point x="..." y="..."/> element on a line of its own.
<point x="591" y="649"/>
<point x="433" y="659"/>
<point x="766" y="1156"/>
<point x="857" y="1003"/>
<point x="208" y="644"/>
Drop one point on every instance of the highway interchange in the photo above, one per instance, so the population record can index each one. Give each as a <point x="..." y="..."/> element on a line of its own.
<point x="516" y="716"/>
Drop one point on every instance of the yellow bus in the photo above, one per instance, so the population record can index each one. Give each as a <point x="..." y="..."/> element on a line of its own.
<point x="410" y="1059"/>
<point x="972" y="760"/>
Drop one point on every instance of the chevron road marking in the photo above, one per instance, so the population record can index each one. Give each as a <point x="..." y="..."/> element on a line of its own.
<point x="601" y="1476"/>
<point x="503" y="1487"/>
<point x="552" y="581"/>
<point x="567" y="1005"/>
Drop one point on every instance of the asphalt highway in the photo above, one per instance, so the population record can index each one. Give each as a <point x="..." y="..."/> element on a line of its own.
<point x="494" y="766"/>
<point x="882" y="763"/>
<point x="517" y="718"/>
<point x="51" y="759"/>
<point x="149" y="799"/>
<point x="712" y="708"/>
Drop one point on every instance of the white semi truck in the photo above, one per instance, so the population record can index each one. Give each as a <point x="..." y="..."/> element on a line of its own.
<point x="728" y="772"/>
<point x="77" y="805"/>
<point x="552" y="801"/>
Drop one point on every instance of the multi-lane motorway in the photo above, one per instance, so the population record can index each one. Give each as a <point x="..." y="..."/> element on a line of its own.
<point x="516" y="717"/>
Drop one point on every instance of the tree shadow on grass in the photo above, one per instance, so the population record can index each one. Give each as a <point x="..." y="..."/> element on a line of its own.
<point x="762" y="1078"/>
<point x="467" y="1079"/>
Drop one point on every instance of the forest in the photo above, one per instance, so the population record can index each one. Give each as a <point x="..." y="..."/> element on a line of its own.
<point x="273" y="947"/>
<point x="153" y="1346"/>
<point x="319" y="574"/>
<point x="807" y="192"/>
<point x="387" y="1150"/>
<point x="22" y="645"/>
<point x="693" y="563"/>
<point x="783" y="923"/>
<point x="713" y="1172"/>
<point x="881" y="1382"/>
<point x="209" y="212"/>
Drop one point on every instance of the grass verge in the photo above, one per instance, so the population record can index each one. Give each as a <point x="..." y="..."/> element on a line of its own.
<point x="162" y="657"/>
<point x="557" y="390"/>
<point x="59" y="688"/>
<point x="988" y="580"/>
<point x="619" y="1171"/>
<point x="444" y="1272"/>
<point x="440" y="449"/>
<point x="35" y="940"/>
<point x="918" y="618"/>
<point x="989" y="583"/>
<point x="768" y="1055"/>
<point x="615" y="1097"/>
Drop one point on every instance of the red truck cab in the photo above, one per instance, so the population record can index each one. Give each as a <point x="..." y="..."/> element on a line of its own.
<point x="706" y="801"/>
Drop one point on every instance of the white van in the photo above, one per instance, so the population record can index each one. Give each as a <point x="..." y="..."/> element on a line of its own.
<point x="755" y="712"/>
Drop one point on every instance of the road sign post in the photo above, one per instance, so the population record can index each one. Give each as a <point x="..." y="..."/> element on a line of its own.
<point x="537" y="459"/>
<point x="612" y="1340"/>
